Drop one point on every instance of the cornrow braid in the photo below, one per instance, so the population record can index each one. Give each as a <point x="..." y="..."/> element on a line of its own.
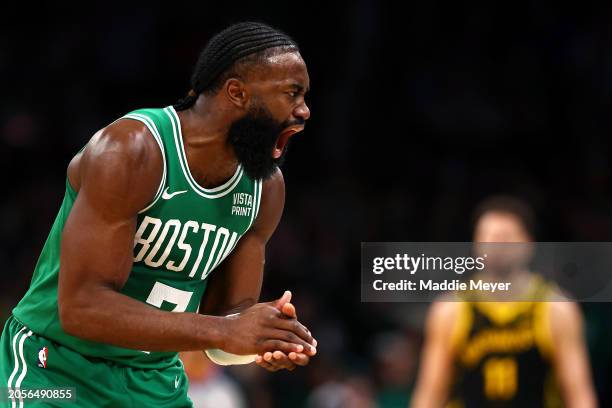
<point x="246" y="42"/>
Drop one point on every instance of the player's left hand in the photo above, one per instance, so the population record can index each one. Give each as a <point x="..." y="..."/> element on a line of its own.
<point x="277" y="360"/>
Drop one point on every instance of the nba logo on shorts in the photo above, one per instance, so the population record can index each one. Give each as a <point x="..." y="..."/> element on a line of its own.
<point x="42" y="357"/>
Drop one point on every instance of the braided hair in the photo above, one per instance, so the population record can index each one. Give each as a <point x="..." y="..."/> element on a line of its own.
<point x="228" y="52"/>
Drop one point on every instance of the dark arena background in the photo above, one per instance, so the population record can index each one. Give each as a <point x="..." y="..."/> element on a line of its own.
<point x="419" y="111"/>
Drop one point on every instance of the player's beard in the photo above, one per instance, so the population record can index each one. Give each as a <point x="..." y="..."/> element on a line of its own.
<point x="253" y="137"/>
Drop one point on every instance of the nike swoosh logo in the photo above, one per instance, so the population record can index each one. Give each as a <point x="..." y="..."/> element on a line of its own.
<point x="176" y="382"/>
<point x="167" y="196"/>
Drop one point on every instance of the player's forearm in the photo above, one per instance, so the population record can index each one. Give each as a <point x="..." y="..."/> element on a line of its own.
<point x="579" y="395"/>
<point x="107" y="316"/>
<point x="588" y="400"/>
<point x="424" y="399"/>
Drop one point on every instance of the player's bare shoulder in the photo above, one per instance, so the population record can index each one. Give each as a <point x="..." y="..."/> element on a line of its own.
<point x="272" y="204"/>
<point x="444" y="310"/>
<point x="443" y="317"/>
<point x="564" y="316"/>
<point x="274" y="187"/>
<point x="122" y="159"/>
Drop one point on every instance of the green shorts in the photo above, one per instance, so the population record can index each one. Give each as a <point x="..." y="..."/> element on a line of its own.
<point x="47" y="374"/>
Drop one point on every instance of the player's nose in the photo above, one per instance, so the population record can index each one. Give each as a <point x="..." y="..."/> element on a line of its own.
<point x="302" y="111"/>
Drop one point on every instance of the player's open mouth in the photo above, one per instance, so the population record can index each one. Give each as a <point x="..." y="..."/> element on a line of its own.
<point x="282" y="140"/>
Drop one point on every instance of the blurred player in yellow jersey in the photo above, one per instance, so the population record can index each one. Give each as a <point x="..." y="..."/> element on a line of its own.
<point x="505" y="354"/>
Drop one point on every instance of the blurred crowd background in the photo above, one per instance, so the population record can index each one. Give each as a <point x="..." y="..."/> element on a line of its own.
<point x="419" y="111"/>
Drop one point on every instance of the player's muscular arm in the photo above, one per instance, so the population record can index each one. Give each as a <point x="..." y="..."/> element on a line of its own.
<point x="570" y="357"/>
<point x="435" y="369"/>
<point x="236" y="284"/>
<point x="117" y="175"/>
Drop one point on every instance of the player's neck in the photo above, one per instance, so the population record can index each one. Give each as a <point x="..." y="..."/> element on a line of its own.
<point x="206" y="122"/>
<point x="211" y="159"/>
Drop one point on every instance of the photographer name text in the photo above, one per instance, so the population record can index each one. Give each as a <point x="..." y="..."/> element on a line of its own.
<point x="443" y="286"/>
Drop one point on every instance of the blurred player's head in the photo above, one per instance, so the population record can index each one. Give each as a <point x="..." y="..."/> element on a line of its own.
<point x="255" y="75"/>
<point x="504" y="219"/>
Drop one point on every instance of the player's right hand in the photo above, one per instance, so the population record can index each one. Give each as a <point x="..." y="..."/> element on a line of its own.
<point x="263" y="327"/>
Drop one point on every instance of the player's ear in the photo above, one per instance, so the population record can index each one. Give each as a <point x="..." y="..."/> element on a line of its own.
<point x="236" y="92"/>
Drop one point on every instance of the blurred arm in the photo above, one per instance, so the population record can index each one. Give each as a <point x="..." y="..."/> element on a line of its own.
<point x="436" y="366"/>
<point x="570" y="356"/>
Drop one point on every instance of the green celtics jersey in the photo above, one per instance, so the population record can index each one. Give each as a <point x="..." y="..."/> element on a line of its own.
<point x="181" y="237"/>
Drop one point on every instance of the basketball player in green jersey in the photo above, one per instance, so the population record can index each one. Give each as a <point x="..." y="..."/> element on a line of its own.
<point x="505" y="354"/>
<point x="162" y="206"/>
